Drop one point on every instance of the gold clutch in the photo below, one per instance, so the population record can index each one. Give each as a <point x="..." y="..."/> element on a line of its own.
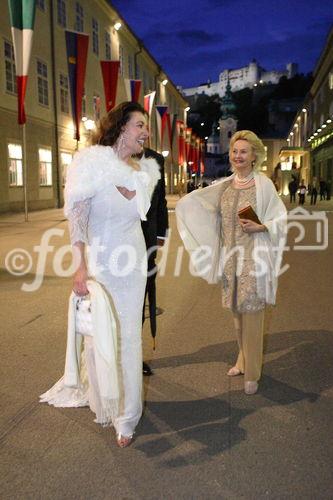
<point x="249" y="213"/>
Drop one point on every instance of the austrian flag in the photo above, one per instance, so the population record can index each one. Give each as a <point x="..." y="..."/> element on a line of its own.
<point x="22" y="18"/>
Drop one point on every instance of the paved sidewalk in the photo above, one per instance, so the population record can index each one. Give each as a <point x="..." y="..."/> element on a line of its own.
<point x="200" y="436"/>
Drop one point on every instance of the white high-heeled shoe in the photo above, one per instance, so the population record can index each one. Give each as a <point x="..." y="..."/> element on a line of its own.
<point x="250" y="387"/>
<point x="124" y="441"/>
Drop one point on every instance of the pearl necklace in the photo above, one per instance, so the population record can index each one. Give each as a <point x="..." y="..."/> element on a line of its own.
<point x="245" y="180"/>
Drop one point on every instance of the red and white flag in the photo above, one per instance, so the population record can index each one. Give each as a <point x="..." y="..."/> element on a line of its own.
<point x="22" y="20"/>
<point x="148" y="102"/>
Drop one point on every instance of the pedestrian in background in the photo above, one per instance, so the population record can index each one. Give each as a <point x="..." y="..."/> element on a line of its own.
<point x="208" y="219"/>
<point x="301" y="192"/>
<point x="322" y="189"/>
<point x="314" y="191"/>
<point x="292" y="186"/>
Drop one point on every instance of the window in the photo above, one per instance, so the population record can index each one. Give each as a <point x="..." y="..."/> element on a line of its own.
<point x="97" y="107"/>
<point x="121" y="60"/>
<point x="95" y="36"/>
<point x="40" y="4"/>
<point x="130" y="66"/>
<point x="65" y="160"/>
<point x="145" y="81"/>
<point x="45" y="167"/>
<point x="43" y="91"/>
<point x="61" y="13"/>
<point x="79" y="18"/>
<point x="10" y="68"/>
<point x="330" y="80"/>
<point x="84" y="103"/>
<point x="107" y="38"/>
<point x="15" y="165"/>
<point x="64" y="96"/>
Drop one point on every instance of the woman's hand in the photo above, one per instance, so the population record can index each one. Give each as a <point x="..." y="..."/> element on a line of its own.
<point x="250" y="227"/>
<point x="80" y="282"/>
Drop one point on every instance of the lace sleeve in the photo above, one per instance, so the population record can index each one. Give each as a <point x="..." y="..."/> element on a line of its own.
<point x="78" y="218"/>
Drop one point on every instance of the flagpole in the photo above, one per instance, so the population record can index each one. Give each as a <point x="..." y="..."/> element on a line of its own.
<point x="25" y="175"/>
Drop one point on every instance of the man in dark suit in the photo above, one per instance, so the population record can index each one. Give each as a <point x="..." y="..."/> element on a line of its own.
<point x="155" y="231"/>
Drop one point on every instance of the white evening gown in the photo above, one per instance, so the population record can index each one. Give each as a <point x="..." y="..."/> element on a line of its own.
<point x="110" y="225"/>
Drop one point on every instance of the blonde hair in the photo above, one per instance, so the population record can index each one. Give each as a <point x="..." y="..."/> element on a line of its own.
<point x="257" y="146"/>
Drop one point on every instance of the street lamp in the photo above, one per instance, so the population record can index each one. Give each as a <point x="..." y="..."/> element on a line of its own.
<point x="165" y="153"/>
<point x="187" y="108"/>
<point x="117" y="26"/>
<point x="164" y="82"/>
<point x="89" y="125"/>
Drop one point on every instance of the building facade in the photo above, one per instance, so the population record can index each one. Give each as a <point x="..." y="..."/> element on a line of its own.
<point x="49" y="128"/>
<point x="248" y="77"/>
<point x="310" y="139"/>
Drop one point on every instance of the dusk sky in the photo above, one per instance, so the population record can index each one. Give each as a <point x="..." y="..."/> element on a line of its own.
<point x="195" y="40"/>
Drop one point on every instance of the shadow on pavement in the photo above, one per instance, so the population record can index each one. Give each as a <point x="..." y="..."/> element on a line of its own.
<point x="300" y="371"/>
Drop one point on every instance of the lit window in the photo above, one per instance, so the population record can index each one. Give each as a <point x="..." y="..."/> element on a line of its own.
<point x="64" y="95"/>
<point x="107" y="37"/>
<point x="15" y="165"/>
<point x="42" y="85"/>
<point x="95" y="42"/>
<point x="45" y="167"/>
<point x="79" y="17"/>
<point x="10" y="68"/>
<point x="65" y="160"/>
<point x="61" y="13"/>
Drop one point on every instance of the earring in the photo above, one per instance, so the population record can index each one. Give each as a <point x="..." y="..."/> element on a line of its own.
<point x="253" y="163"/>
<point x="120" y="144"/>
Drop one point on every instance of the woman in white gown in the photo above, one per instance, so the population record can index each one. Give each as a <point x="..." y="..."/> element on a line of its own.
<point x="107" y="195"/>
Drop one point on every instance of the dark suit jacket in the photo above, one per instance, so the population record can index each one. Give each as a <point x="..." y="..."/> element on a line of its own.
<point x="157" y="216"/>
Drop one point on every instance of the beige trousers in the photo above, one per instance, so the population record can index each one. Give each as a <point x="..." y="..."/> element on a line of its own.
<point x="250" y="338"/>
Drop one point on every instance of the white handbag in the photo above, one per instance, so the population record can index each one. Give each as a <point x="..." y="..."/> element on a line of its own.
<point x="83" y="317"/>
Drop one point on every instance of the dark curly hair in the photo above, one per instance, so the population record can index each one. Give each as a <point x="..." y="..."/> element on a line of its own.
<point x="110" y="126"/>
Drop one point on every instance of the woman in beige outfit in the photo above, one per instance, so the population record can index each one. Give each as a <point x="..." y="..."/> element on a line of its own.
<point x="244" y="254"/>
